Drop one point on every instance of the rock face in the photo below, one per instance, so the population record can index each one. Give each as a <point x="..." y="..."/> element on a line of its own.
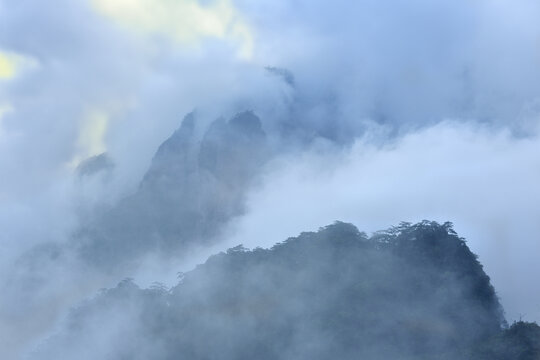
<point x="190" y="191"/>
<point x="411" y="292"/>
<point x="193" y="187"/>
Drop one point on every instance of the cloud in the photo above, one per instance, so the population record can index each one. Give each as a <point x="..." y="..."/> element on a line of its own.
<point x="406" y="62"/>
<point x="97" y="87"/>
<point x="91" y="140"/>
<point x="481" y="179"/>
<point x="4" y="110"/>
<point x="81" y="77"/>
<point x="185" y="21"/>
<point x="7" y="67"/>
<point x="12" y="64"/>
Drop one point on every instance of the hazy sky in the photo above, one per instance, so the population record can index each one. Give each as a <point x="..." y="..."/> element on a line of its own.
<point x="443" y="97"/>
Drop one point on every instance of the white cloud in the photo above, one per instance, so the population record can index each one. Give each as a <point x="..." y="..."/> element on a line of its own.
<point x="185" y="21"/>
<point x="119" y="75"/>
<point x="484" y="181"/>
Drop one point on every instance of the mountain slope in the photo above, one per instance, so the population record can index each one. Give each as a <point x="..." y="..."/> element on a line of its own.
<point x="411" y="292"/>
<point x="192" y="188"/>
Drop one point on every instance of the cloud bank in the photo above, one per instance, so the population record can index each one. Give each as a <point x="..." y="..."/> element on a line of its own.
<point x="483" y="180"/>
<point x="377" y="112"/>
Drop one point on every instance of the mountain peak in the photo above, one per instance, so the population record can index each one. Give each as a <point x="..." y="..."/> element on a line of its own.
<point x="248" y="123"/>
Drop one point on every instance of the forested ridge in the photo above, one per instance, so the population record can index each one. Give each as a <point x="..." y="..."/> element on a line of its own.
<point x="414" y="291"/>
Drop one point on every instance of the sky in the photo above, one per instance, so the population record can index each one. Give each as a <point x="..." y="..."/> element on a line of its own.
<point x="440" y="102"/>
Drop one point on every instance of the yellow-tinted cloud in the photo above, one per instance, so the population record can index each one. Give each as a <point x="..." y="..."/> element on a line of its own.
<point x="7" y="66"/>
<point x="186" y="21"/>
<point x="11" y="64"/>
<point x="91" y="140"/>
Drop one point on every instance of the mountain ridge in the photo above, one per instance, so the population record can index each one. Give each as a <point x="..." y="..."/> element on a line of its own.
<point x="414" y="291"/>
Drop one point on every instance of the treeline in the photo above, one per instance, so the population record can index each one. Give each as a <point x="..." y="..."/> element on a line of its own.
<point x="414" y="291"/>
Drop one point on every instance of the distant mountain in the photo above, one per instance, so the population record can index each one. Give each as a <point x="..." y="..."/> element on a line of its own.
<point x="192" y="188"/>
<point x="410" y="292"/>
